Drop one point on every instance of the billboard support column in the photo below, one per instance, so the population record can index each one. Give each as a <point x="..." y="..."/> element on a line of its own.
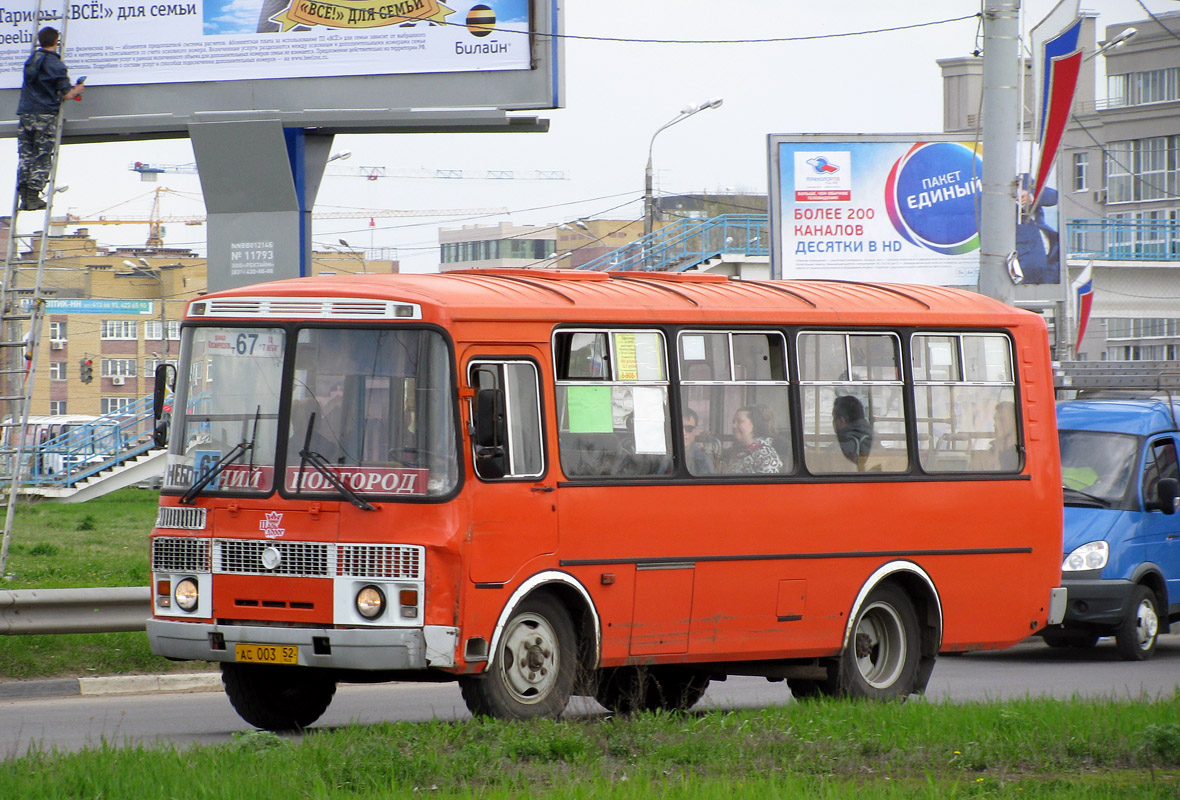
<point x="259" y="182"/>
<point x="1001" y="98"/>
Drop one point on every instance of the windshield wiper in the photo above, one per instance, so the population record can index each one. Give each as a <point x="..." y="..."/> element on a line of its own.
<point x="309" y="456"/>
<point x="233" y="455"/>
<point x="1101" y="501"/>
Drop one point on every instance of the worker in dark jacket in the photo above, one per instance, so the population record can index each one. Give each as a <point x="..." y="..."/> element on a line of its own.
<point x="46" y="84"/>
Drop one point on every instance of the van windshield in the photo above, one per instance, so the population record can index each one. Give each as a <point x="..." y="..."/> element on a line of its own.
<point x="1098" y="464"/>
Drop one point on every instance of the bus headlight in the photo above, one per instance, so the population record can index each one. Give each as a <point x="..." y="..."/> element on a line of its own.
<point x="370" y="602"/>
<point x="186" y="594"/>
<point x="1091" y="555"/>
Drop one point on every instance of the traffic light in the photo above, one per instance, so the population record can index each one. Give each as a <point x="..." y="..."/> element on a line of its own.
<point x="86" y="370"/>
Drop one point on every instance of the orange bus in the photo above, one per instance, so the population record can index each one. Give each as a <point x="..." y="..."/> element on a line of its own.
<point x="622" y="485"/>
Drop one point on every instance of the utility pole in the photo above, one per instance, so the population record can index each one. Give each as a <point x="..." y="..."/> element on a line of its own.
<point x="1001" y="112"/>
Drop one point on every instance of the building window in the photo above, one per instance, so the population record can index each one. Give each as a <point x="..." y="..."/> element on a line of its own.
<point x="119" y="329"/>
<point x="150" y="364"/>
<point x="57" y="330"/>
<point x="57" y="407"/>
<point x="152" y="328"/>
<point x="118" y="368"/>
<point x="1081" y="169"/>
<point x="111" y="405"/>
<point x="57" y="370"/>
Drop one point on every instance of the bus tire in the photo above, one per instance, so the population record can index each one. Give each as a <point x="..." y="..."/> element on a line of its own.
<point x="881" y="659"/>
<point x="627" y="690"/>
<point x="277" y="698"/>
<point x="532" y="672"/>
<point x="1137" y="634"/>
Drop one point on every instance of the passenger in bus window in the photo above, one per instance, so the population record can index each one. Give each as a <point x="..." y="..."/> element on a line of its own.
<point x="700" y="462"/>
<point x="1001" y="453"/>
<point x="854" y="433"/>
<point x="753" y="450"/>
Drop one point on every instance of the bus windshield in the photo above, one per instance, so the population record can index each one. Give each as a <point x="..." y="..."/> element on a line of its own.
<point x="374" y="408"/>
<point x="1097" y="466"/>
<point x="226" y="409"/>
<point x="370" y="412"/>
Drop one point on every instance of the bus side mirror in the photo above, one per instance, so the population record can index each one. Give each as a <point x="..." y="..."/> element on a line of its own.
<point x="491" y="431"/>
<point x="1167" y="497"/>
<point x="163" y="384"/>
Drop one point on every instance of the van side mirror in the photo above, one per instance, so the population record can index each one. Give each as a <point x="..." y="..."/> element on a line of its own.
<point x="1167" y="497"/>
<point x="159" y="394"/>
<point x="491" y="431"/>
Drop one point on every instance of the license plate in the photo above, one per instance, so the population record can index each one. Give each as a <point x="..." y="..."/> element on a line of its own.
<point x="266" y="653"/>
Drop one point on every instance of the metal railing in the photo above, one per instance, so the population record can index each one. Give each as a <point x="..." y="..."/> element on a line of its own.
<point x="1123" y="240"/>
<point x="101" y="610"/>
<point x="90" y="448"/>
<point x="688" y="243"/>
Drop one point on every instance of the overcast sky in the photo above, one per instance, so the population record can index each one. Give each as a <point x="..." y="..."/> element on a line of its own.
<point x="617" y="95"/>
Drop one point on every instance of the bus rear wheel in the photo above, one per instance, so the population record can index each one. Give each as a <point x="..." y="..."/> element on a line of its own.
<point x="627" y="690"/>
<point x="277" y="698"/>
<point x="533" y="669"/>
<point x="883" y="652"/>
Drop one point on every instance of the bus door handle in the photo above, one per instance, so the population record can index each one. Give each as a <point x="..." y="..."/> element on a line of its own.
<point x="542" y="489"/>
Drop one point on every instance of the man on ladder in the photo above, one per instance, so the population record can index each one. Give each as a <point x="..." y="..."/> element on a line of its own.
<point x="46" y="84"/>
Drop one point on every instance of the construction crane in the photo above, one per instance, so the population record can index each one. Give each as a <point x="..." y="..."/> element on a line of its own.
<point x="156" y="221"/>
<point x="151" y="171"/>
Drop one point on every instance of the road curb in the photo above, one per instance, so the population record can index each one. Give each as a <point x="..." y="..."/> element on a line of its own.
<point x="111" y="685"/>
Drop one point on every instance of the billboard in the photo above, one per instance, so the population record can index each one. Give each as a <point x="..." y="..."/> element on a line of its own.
<point x="875" y="208"/>
<point x="892" y="208"/>
<point x="332" y="64"/>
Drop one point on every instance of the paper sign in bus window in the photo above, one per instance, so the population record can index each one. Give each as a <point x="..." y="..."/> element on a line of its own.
<point x="589" y="409"/>
<point x="650" y="421"/>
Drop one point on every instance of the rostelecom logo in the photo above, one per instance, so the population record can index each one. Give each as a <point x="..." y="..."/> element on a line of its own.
<point x="481" y="20"/>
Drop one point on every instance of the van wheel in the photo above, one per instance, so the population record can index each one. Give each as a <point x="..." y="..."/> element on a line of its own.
<point x="532" y="672"/>
<point x="881" y="659"/>
<point x="1137" y="633"/>
<point x="277" y="698"/>
<point x="627" y="690"/>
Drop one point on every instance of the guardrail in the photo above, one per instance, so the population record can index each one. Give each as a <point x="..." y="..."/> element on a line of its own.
<point x="101" y="610"/>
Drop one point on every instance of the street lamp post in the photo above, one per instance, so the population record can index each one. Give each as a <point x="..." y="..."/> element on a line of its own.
<point x="648" y="202"/>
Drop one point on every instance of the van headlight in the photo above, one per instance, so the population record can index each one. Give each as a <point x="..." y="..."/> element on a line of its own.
<point x="1091" y="555"/>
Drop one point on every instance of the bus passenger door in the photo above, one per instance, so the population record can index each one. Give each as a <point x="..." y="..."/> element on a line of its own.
<point x="513" y="516"/>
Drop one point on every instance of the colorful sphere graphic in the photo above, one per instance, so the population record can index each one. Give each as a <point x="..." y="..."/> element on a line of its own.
<point x="931" y="195"/>
<point x="481" y="20"/>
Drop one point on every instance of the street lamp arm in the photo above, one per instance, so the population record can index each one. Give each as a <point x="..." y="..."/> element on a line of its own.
<point x="648" y="200"/>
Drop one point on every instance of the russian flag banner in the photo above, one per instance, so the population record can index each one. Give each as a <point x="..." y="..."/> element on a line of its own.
<point x="1083" y="297"/>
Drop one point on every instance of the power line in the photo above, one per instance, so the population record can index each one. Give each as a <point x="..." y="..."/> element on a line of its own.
<point x="765" y="40"/>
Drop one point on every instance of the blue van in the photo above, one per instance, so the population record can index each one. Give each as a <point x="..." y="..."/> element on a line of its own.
<point x="1122" y="532"/>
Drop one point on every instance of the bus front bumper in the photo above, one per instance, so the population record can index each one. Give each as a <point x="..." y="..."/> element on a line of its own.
<point x="332" y="648"/>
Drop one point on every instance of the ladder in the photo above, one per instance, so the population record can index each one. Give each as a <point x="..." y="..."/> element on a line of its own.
<point x="22" y="309"/>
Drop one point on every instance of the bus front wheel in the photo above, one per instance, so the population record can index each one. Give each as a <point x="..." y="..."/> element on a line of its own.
<point x="532" y="670"/>
<point x="277" y="698"/>
<point x="882" y="656"/>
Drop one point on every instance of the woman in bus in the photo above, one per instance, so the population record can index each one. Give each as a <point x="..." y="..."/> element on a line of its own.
<point x="753" y="450"/>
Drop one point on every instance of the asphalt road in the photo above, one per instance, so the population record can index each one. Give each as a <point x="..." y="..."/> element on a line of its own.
<point x="1031" y="669"/>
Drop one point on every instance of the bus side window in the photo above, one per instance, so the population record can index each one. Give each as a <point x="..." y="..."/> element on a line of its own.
<point x="964" y="397"/>
<point x="515" y="388"/>
<point x="853" y="410"/>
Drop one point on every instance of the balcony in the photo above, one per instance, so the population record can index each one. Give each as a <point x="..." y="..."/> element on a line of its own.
<point x="1123" y="240"/>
